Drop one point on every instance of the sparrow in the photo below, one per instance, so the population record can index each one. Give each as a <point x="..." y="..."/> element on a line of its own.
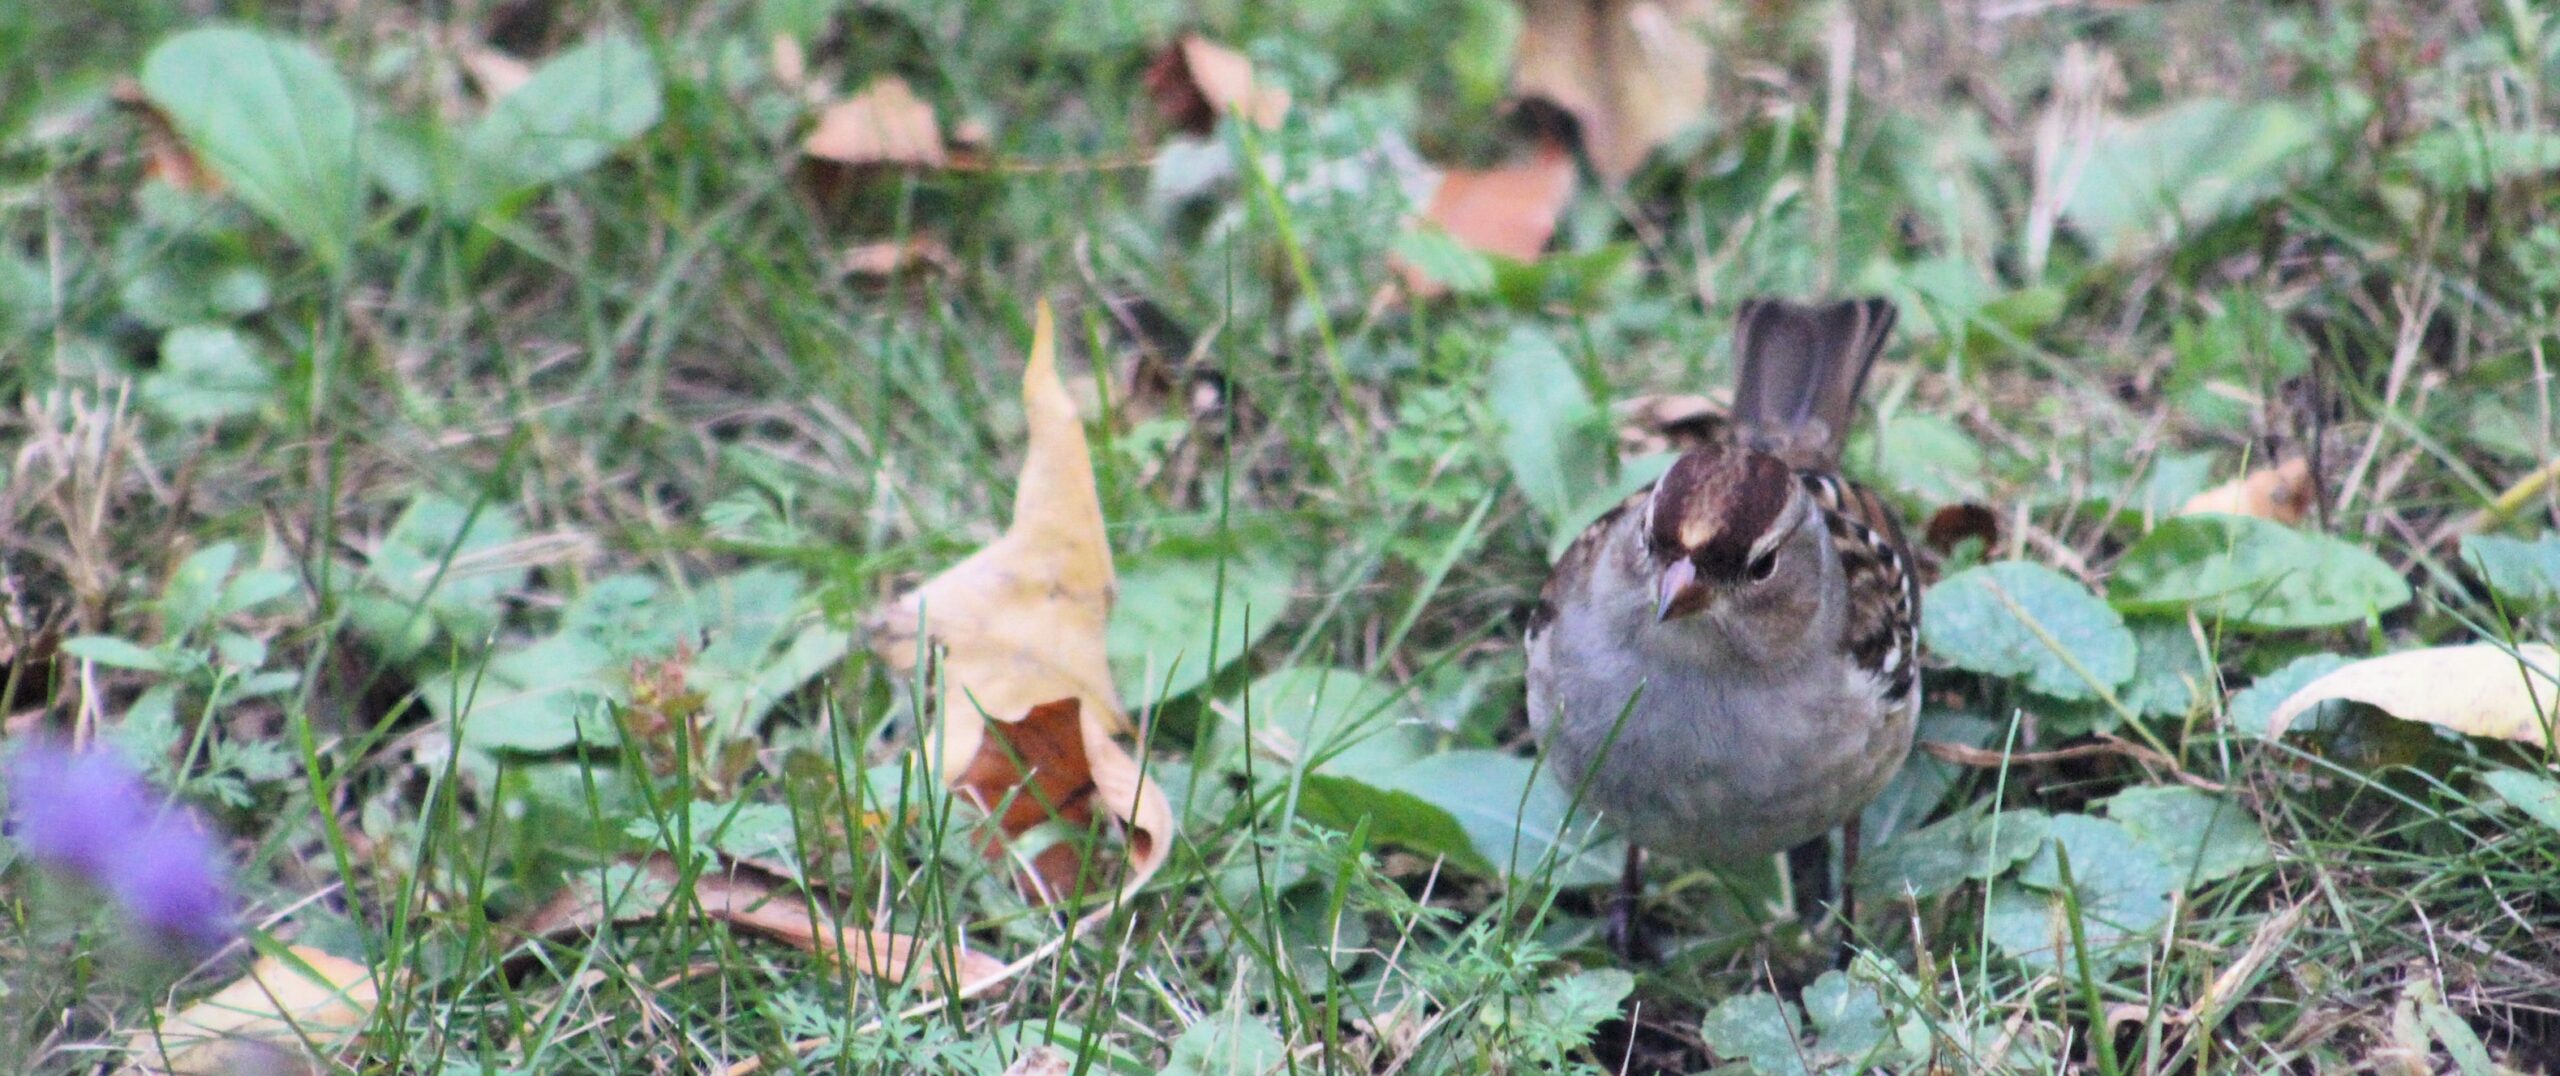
<point x="1723" y="664"/>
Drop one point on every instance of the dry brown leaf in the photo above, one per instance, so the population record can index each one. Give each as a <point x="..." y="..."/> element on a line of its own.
<point x="921" y="252"/>
<point x="1666" y="422"/>
<point x="497" y="73"/>
<point x="2481" y="689"/>
<point x="2281" y="493"/>
<point x="1041" y="1061"/>
<point x="1195" y="80"/>
<point x="1949" y="527"/>
<point x="1020" y="625"/>
<point x="884" y="124"/>
<point x="260" y="1022"/>
<point x="165" y="156"/>
<point x="1631" y="73"/>
<point x="744" y="898"/>
<point x="1509" y="211"/>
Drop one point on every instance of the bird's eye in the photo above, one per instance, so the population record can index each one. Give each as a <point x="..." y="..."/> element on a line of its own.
<point x="1763" y="566"/>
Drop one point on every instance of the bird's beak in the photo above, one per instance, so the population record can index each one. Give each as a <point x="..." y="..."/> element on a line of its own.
<point x="1679" y="594"/>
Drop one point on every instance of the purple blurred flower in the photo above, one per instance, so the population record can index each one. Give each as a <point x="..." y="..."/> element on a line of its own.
<point x="90" y="815"/>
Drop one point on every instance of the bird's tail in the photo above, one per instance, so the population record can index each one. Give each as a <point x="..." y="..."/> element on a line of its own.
<point x="1798" y="370"/>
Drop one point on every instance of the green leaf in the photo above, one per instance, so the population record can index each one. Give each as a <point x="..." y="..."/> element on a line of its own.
<point x="2203" y="837"/>
<point x="194" y="592"/>
<point x="275" y="120"/>
<point x="1923" y="782"/>
<point x="1445" y="260"/>
<point x="2525" y="574"/>
<point x="2253" y="708"/>
<point x="1171" y="611"/>
<point x="2123" y="886"/>
<point x="2538" y="796"/>
<point x="1395" y="818"/>
<point x="1857" y="1030"/>
<point x="2454" y="159"/>
<point x="1923" y="457"/>
<point x="1574" y="1006"/>
<point x="2169" y="674"/>
<point x="207" y="374"/>
<point x="2022" y="620"/>
<point x="1336" y="720"/>
<point x="2253" y="573"/>
<point x="1551" y="431"/>
<point x="1515" y="820"/>
<point x="541" y="697"/>
<point x="2185" y="167"/>
<point x="111" y="651"/>
<point x="1230" y="1043"/>
<point x="441" y="557"/>
<point x="1760" y="1029"/>
<point x="577" y="109"/>
<point x="1936" y="858"/>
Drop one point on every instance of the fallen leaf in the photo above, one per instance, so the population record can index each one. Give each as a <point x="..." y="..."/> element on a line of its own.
<point x="1668" y="422"/>
<point x="1509" y="211"/>
<point x="1042" y="1061"/>
<point x="497" y="73"/>
<point x="2480" y="689"/>
<point x="1631" y="73"/>
<point x="1021" y="625"/>
<point x="2282" y="493"/>
<point x="886" y="123"/>
<point x="260" y="1022"/>
<point x="1194" y="81"/>
<point x="747" y="900"/>
<point x="165" y="156"/>
<point x="1950" y="526"/>
<point x="921" y="252"/>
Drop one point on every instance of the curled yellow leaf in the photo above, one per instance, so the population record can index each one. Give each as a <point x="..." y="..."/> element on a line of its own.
<point x="2480" y="689"/>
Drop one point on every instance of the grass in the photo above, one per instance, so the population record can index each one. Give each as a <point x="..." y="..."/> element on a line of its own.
<point x="641" y="412"/>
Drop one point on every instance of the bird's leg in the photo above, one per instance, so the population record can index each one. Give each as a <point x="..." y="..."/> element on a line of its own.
<point x="1809" y="881"/>
<point x="1623" y="939"/>
<point x="1848" y="892"/>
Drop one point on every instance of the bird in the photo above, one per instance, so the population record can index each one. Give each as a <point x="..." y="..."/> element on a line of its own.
<point x="1724" y="664"/>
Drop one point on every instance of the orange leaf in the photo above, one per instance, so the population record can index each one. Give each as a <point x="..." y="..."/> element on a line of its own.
<point x="1020" y="626"/>
<point x="1632" y="73"/>
<point x="1195" y="80"/>
<point x="884" y="124"/>
<point x="2282" y="493"/>
<point x="1509" y="211"/>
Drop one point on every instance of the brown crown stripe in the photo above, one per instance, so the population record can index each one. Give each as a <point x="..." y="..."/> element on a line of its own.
<point x="1751" y="490"/>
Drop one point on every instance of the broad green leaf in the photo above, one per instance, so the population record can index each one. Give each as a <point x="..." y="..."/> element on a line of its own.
<point x="2169" y="674"/>
<point x="2525" y="574"/>
<point x="2027" y="621"/>
<point x="1856" y="1026"/>
<point x="1335" y="720"/>
<point x="1444" y="260"/>
<point x="2253" y="573"/>
<point x="2203" y="837"/>
<point x="275" y="120"/>
<point x="194" y="593"/>
<point x="1395" y="818"/>
<point x="1513" y="817"/>
<point x="2185" y="167"/>
<point x="2123" y="886"/>
<point x="207" y="374"/>
<point x="2461" y="159"/>
<point x="1172" y="611"/>
<point x="1760" y="1029"/>
<point x="1924" y="781"/>
<point x="1230" y="1043"/>
<point x="1923" y="457"/>
<point x="578" y="108"/>
<point x="2252" y="708"/>
<point x="1552" y="434"/>
<point x="544" y="696"/>
<point x="1936" y="858"/>
<point x="442" y="559"/>
<point x="2537" y="795"/>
